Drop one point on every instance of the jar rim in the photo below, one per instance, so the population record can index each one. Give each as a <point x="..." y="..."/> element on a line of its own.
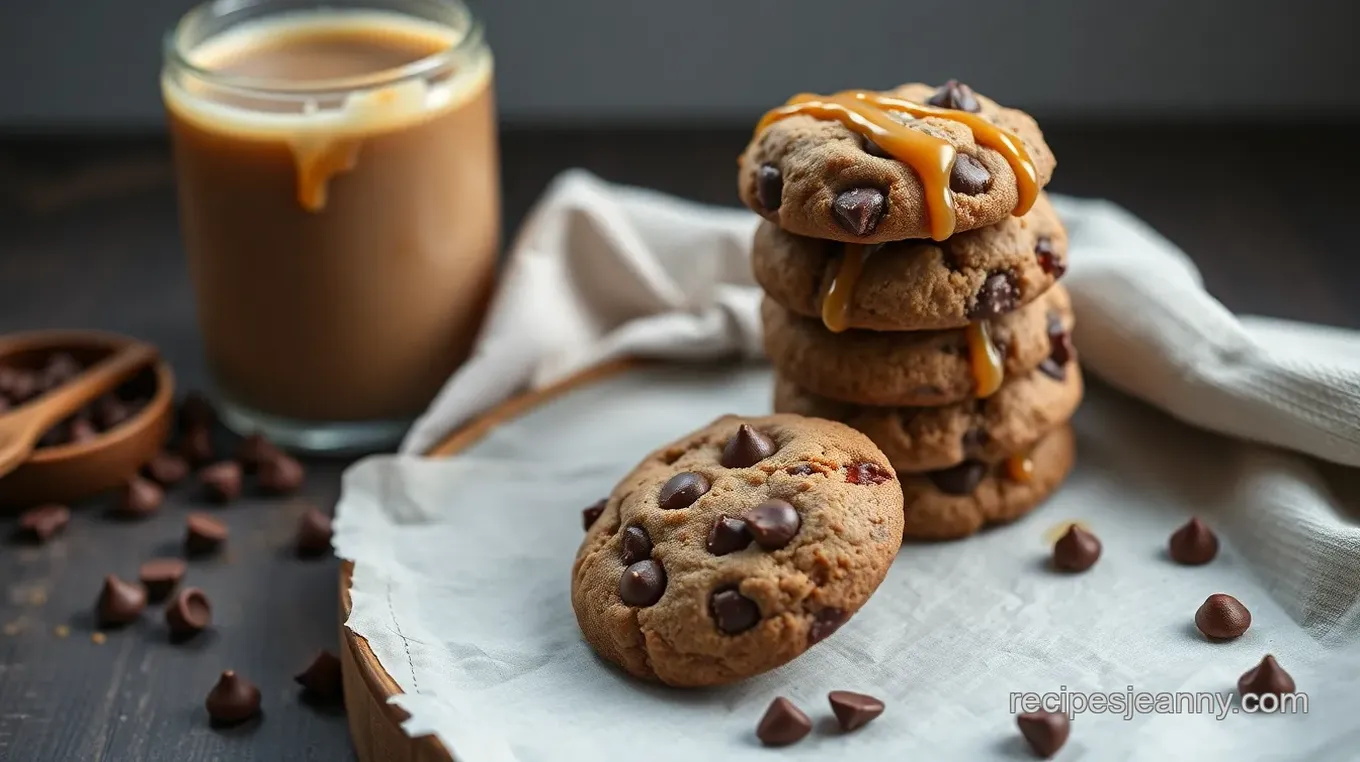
<point x="468" y="38"/>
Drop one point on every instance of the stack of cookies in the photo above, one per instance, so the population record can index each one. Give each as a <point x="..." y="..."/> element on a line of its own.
<point x="910" y="261"/>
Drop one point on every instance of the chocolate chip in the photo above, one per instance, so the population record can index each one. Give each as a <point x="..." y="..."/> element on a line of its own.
<point x="160" y="576"/>
<point x="139" y="498"/>
<point x="773" y="523"/>
<point x="783" y="724"/>
<point x="642" y="583"/>
<point x="854" y="710"/>
<point x="874" y="149"/>
<point x="997" y="296"/>
<point x="189" y="614"/>
<point x="968" y="176"/>
<point x="974" y="440"/>
<point x="592" y="514"/>
<point x="769" y="186"/>
<point x="858" y="210"/>
<point x="1059" y="341"/>
<point x="1052" y="369"/>
<point x="196" y="412"/>
<point x="109" y="411"/>
<point x="119" y="602"/>
<point x="203" y="534"/>
<point x="280" y="475"/>
<point x="221" y="481"/>
<point x="637" y="545"/>
<point x="1046" y="732"/>
<point x="959" y="480"/>
<point x="825" y="624"/>
<point x="1048" y="258"/>
<point x="802" y="469"/>
<point x="196" y="445"/>
<point x="728" y="535"/>
<point x="254" y="451"/>
<point x="233" y="700"/>
<point x="167" y="468"/>
<point x="22" y="385"/>
<point x="867" y="473"/>
<point x="733" y="612"/>
<point x="681" y="490"/>
<point x="746" y="448"/>
<point x="43" y="522"/>
<point x="80" y="429"/>
<point x="1077" y="550"/>
<point x="60" y="368"/>
<point x="956" y="95"/>
<point x="322" y="680"/>
<point x="1265" y="679"/>
<point x="1194" y="544"/>
<point x="1222" y="617"/>
<point x="313" y="534"/>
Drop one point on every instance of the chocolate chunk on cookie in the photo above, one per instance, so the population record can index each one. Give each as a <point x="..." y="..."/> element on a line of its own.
<point x="818" y="160"/>
<point x="910" y="368"/>
<point x="918" y="285"/>
<point x="796" y="525"/>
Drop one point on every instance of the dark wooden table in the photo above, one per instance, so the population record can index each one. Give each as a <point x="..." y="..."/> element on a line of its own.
<point x="88" y="239"/>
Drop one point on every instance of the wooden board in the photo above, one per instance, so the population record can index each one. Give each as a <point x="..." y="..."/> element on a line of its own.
<point x="375" y="724"/>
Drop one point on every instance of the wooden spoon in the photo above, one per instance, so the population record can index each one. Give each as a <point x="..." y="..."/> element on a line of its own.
<point x="21" y="428"/>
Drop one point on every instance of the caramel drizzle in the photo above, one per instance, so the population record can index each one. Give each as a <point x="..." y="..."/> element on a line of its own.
<point x="318" y="164"/>
<point x="867" y="113"/>
<point x="1020" y="467"/>
<point x="984" y="361"/>
<point x="836" y="305"/>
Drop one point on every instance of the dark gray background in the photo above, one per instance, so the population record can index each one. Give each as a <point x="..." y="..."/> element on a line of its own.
<point x="77" y="65"/>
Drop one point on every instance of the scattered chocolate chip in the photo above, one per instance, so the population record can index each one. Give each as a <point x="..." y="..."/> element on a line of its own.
<point x="968" y="176"/>
<point x="867" y="473"/>
<point x="1048" y="258"/>
<point x="783" y="724"/>
<point x="196" y="412"/>
<point x="733" y="612"/>
<point x="1265" y="679"/>
<point x="189" y="614"/>
<point x="959" y="480"/>
<point x="160" y="576"/>
<point x="80" y="429"/>
<point x="233" y="700"/>
<point x="60" y="368"/>
<point x="997" y="296"/>
<point x="1077" y="550"/>
<point x="642" y="583"/>
<point x="728" y="535"/>
<point x="825" y="624"/>
<point x="167" y="468"/>
<point x="590" y="515"/>
<point x="119" y="603"/>
<point x="139" y="498"/>
<point x="204" y="534"/>
<point x="221" y="481"/>
<point x="109" y="411"/>
<point x="956" y="95"/>
<point x="1052" y="369"/>
<point x="196" y="445"/>
<point x="322" y="680"/>
<point x="254" y="451"/>
<point x="858" y="210"/>
<point x="1222" y="617"/>
<point x="974" y="440"/>
<point x="681" y="490"/>
<point x="1194" y="544"/>
<point x="746" y="448"/>
<point x="873" y="149"/>
<point x="773" y="524"/>
<point x="637" y="545"/>
<point x="43" y="522"/>
<point x="1046" y="732"/>
<point x="769" y="186"/>
<point x="22" y="385"/>
<point x="313" y="534"/>
<point x="281" y="475"/>
<point x="1059" y="341"/>
<point x="802" y="469"/>
<point x="854" y="710"/>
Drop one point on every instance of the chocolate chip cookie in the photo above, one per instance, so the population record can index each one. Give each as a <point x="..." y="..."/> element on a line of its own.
<point x="916" y="285"/>
<point x="958" y="501"/>
<point x="915" y="369"/>
<point x="735" y="549"/>
<point x="917" y="439"/>
<point x="815" y="176"/>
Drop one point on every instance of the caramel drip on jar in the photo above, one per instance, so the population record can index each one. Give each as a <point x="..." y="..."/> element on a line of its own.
<point x="836" y="305"/>
<point x="317" y="164"/>
<point x="984" y="360"/>
<point x="868" y="114"/>
<point x="1020" y="468"/>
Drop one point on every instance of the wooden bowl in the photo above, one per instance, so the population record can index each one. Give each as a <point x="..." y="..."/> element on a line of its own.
<point x="69" y="472"/>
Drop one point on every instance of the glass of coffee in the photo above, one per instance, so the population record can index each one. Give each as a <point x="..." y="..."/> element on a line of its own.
<point x="339" y="202"/>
